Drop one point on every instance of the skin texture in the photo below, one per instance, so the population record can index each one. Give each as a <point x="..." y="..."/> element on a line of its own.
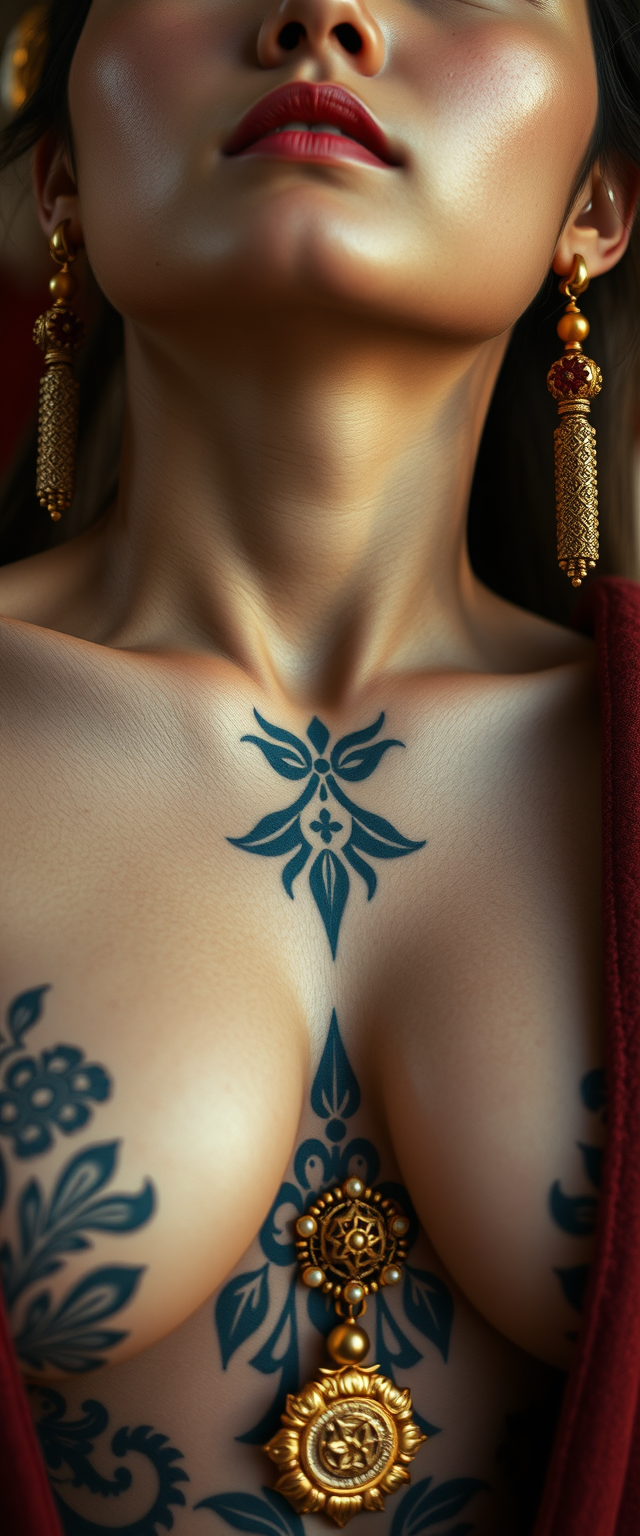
<point x="310" y="354"/>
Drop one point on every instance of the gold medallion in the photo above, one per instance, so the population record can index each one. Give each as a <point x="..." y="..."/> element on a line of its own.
<point x="348" y="1438"/>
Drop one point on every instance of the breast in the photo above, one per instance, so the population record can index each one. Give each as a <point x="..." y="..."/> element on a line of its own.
<point x="189" y="999"/>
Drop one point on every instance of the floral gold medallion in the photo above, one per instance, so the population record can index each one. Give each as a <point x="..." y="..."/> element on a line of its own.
<point x="348" y="1438"/>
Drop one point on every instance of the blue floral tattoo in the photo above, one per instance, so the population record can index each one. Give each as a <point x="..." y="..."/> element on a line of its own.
<point x="243" y="1306"/>
<point x="40" y="1093"/>
<point x="424" y="1506"/>
<point x="68" y="1446"/>
<point x="576" y="1214"/>
<point x="352" y="759"/>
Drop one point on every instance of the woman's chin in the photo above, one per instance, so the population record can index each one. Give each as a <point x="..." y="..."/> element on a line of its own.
<point x="285" y="252"/>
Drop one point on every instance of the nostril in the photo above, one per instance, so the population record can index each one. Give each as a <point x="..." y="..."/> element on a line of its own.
<point x="348" y="37"/>
<point x="291" y="35"/>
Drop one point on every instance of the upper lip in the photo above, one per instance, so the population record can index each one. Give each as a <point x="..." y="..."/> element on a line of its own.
<point x="304" y="101"/>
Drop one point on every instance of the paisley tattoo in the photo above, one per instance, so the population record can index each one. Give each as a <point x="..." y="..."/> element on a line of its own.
<point x="41" y="1095"/>
<point x="352" y="759"/>
<point x="576" y="1214"/>
<point x="68" y="1447"/>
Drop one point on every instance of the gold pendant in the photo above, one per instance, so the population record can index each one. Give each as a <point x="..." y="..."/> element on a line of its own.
<point x="348" y="1438"/>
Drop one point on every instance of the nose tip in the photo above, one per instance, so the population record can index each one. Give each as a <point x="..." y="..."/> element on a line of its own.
<point x="321" y="27"/>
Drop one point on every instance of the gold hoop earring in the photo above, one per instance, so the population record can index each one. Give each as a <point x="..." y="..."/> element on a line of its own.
<point x="59" y="333"/>
<point x="573" y="381"/>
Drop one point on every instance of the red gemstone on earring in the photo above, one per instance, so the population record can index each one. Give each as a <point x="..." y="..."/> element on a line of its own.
<point x="570" y="376"/>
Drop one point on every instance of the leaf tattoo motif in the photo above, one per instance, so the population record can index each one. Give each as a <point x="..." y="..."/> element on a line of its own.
<point x="329" y="884"/>
<point x="424" y="1506"/>
<point x="353" y="758"/>
<point x="270" y="1516"/>
<point x="577" y="1214"/>
<point x="279" y="1354"/>
<point x="241" y="1309"/>
<point x="242" y="1306"/>
<point x="335" y="1090"/>
<point x="67" y="1338"/>
<point x="23" y="1013"/>
<point x="428" y="1304"/>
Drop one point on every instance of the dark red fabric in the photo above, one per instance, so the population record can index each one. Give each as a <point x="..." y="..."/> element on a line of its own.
<point x="593" y="1483"/>
<point x="26" y="1504"/>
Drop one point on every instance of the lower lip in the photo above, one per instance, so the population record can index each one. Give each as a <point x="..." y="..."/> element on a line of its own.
<point x="303" y="144"/>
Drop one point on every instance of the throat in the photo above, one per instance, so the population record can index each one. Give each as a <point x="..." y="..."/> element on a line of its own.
<point x="323" y="474"/>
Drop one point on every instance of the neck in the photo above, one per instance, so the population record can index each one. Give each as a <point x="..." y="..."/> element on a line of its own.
<point x="297" y="501"/>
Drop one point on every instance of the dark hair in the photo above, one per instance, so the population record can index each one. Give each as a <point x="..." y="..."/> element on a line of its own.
<point x="511" y="516"/>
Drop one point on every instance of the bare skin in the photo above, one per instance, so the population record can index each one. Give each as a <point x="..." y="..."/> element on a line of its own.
<point x="311" y="350"/>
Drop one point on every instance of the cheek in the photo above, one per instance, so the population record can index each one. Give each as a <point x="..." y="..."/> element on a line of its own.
<point x="140" y="73"/>
<point x="502" y="146"/>
<point x="501" y="118"/>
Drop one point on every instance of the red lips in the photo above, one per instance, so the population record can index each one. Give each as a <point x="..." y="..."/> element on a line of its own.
<point x="302" y="101"/>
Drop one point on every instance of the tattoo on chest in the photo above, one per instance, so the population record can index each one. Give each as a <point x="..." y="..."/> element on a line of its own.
<point x="42" y="1096"/>
<point x="427" y="1505"/>
<point x="323" y="820"/>
<point x="84" y="1452"/>
<point x="69" y="1447"/>
<point x="243" y="1307"/>
<point x="577" y="1214"/>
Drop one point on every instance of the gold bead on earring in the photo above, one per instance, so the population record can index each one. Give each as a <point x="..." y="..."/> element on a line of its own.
<point x="59" y="333"/>
<point x="573" y="381"/>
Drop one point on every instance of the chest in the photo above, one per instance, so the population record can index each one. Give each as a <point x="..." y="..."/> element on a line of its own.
<point x="272" y="944"/>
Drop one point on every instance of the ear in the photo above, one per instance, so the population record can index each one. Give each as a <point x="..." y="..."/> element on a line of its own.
<point x="55" y="188"/>
<point x="599" y="225"/>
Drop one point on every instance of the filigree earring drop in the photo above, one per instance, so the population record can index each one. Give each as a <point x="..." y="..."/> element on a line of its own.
<point x="59" y="333"/>
<point x="573" y="381"/>
<point x="348" y="1438"/>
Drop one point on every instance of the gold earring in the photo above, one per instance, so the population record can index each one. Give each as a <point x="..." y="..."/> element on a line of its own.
<point x="59" y="333"/>
<point x="573" y="381"/>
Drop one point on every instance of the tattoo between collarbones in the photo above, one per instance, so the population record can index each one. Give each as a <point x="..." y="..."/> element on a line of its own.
<point x="352" y="759"/>
<point x="40" y="1095"/>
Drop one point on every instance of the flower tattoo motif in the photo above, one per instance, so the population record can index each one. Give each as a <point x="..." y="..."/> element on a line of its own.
<point x="352" y="759"/>
<point x="43" y="1093"/>
<point x="54" y="1089"/>
<point x="325" y="826"/>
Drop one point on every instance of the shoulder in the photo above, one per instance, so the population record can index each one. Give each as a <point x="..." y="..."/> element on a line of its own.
<point x="54" y="589"/>
<point x="513" y="641"/>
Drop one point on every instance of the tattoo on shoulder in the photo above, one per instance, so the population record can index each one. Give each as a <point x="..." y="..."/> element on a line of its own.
<point x="341" y="831"/>
<point x="40" y="1095"/>
<point x="244" y="1305"/>
<point x="576" y="1214"/>
<point x="68" y="1447"/>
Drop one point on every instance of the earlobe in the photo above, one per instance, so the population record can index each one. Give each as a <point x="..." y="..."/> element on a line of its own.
<point x="55" y="188"/>
<point x="600" y="225"/>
